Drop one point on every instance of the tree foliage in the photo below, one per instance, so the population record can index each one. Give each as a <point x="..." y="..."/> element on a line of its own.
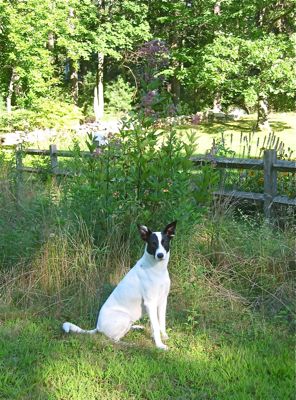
<point x="245" y="51"/>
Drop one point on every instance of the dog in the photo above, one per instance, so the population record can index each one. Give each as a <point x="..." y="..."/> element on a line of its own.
<point x="144" y="288"/>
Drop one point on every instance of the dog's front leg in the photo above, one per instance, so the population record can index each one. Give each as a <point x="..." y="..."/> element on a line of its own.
<point x="152" y="313"/>
<point x="162" y="317"/>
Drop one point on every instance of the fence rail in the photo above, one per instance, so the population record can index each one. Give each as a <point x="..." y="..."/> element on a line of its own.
<point x="269" y="164"/>
<point x="244" y="163"/>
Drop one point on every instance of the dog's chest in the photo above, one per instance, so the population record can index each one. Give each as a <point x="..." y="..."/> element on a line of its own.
<point x="155" y="282"/>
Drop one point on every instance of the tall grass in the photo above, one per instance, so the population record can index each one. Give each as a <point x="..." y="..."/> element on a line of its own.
<point x="244" y="262"/>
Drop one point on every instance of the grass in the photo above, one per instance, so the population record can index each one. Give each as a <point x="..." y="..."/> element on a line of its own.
<point x="282" y="124"/>
<point x="38" y="362"/>
<point x="231" y="335"/>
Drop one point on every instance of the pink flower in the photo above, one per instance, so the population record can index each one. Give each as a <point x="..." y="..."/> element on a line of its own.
<point x="196" y="119"/>
<point x="98" y="151"/>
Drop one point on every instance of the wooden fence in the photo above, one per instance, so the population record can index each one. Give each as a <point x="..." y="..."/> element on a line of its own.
<point x="269" y="164"/>
<point x="53" y="153"/>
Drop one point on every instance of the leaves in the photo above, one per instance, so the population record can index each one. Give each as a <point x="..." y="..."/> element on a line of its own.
<point x="247" y="47"/>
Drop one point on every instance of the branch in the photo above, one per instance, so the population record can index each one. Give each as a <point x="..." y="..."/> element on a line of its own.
<point x="135" y="79"/>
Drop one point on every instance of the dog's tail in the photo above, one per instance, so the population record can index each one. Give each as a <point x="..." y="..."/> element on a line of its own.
<point x="68" y="327"/>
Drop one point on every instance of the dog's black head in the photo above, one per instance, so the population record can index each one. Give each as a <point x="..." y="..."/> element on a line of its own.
<point x="158" y="243"/>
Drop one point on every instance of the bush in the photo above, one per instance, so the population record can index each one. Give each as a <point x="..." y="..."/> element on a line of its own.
<point x="141" y="174"/>
<point x="45" y="113"/>
<point x="119" y="96"/>
<point x="56" y="114"/>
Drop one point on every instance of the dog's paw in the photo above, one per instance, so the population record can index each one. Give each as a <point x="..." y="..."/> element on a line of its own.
<point x="162" y="347"/>
<point x="165" y="336"/>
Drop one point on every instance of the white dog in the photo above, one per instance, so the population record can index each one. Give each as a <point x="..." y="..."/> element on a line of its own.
<point x="144" y="288"/>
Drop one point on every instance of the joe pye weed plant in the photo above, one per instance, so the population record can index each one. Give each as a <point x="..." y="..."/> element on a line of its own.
<point x="136" y="176"/>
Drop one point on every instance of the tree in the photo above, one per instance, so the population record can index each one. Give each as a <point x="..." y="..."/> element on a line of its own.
<point x="252" y="70"/>
<point x="38" y="57"/>
<point x="120" y="26"/>
<point x="28" y="71"/>
<point x="186" y="27"/>
<point x="214" y="47"/>
<point x="189" y="27"/>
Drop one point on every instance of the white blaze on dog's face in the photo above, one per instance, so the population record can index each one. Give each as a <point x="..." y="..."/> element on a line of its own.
<point x="158" y="243"/>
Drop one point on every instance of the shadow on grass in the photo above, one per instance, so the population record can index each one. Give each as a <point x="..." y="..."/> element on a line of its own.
<point x="39" y="362"/>
<point x="243" y="125"/>
<point x="279" y="126"/>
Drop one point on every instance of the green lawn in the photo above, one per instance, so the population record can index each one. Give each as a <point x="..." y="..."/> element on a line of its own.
<point x="282" y="124"/>
<point x="241" y="360"/>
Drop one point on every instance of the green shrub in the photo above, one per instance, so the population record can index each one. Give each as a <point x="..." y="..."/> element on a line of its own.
<point x="56" y="114"/>
<point x="119" y="96"/>
<point x="140" y="174"/>
<point x="45" y="113"/>
<point x="18" y="120"/>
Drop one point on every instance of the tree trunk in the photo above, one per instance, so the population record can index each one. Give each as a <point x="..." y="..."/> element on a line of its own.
<point x="50" y="41"/>
<point x="262" y="114"/>
<point x="176" y="90"/>
<point x="217" y="8"/>
<point x="217" y="107"/>
<point x="74" y="83"/>
<point x="12" y="81"/>
<point x="99" y="89"/>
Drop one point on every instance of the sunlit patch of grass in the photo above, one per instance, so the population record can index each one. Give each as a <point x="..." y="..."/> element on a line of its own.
<point x="39" y="362"/>
<point x="282" y="124"/>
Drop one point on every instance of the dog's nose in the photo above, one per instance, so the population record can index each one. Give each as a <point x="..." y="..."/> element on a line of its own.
<point x="160" y="255"/>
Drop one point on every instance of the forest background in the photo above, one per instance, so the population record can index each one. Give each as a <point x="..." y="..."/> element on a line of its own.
<point x="170" y="57"/>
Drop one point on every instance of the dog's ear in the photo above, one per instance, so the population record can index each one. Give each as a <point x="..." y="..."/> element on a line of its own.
<point x="169" y="230"/>
<point x="144" y="232"/>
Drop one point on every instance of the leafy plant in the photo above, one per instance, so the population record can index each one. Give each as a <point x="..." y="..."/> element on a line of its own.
<point x="45" y="113"/>
<point x="119" y="96"/>
<point x="139" y="173"/>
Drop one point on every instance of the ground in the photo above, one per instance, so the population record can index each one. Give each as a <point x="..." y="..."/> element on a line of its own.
<point x="205" y="361"/>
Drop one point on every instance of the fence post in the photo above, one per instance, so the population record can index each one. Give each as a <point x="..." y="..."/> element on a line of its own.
<point x="270" y="182"/>
<point x="18" y="156"/>
<point x="53" y="158"/>
<point x="19" y="165"/>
